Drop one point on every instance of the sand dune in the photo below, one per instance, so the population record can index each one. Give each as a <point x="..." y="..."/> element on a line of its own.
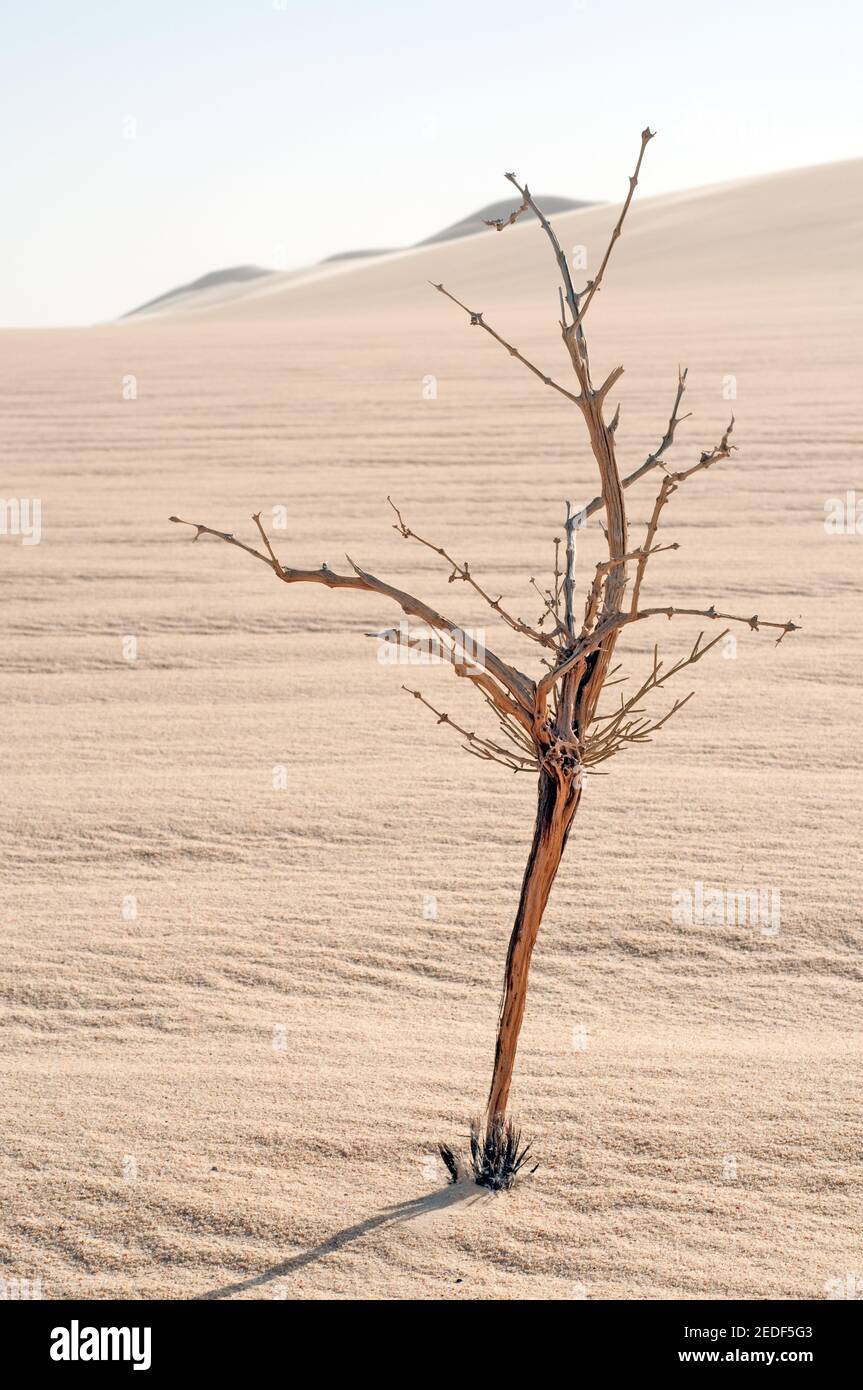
<point x="751" y="234"/>
<point x="233" y="1029"/>
<point x="219" y="286"/>
<point x="215" y="286"/>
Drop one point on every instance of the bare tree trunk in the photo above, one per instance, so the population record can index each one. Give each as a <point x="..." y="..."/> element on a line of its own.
<point x="557" y="802"/>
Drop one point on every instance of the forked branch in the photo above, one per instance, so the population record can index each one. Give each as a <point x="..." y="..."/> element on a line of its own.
<point x="668" y="486"/>
<point x="474" y="743"/>
<point x="463" y="572"/>
<point x="623" y="726"/>
<point x="513" y="688"/>
<point x="595" y="639"/>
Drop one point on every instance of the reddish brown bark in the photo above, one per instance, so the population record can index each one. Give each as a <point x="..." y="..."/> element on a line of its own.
<point x="557" y="802"/>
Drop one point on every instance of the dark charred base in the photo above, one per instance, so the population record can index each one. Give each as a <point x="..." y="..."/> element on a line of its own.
<point x="497" y="1156"/>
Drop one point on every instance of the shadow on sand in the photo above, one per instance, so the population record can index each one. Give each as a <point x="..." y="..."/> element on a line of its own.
<point x="391" y="1216"/>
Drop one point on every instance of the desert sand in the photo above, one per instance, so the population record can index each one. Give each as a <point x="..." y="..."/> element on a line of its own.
<point x="233" y="1032"/>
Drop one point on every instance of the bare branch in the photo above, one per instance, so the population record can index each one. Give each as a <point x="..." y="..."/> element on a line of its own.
<point x="481" y="747"/>
<point x="563" y="264"/>
<point x="477" y="319"/>
<point x="620" y="620"/>
<point x="569" y="578"/>
<point x="669" y="485"/>
<point x="620" y="729"/>
<point x="463" y="572"/>
<point x="603" y="568"/>
<point x="666" y="442"/>
<point x="518" y="687"/>
<point x="256" y="518"/>
<point x="500" y="223"/>
<point x="593" y="285"/>
<point x="550" y="610"/>
<point x="657" y="678"/>
<point x="227" y="536"/>
<point x="633" y="732"/>
<point x="722" y="450"/>
<point x="614" y="375"/>
<point x="510" y="727"/>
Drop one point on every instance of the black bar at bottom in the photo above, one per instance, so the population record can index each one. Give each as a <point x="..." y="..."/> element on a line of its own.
<point x="87" y="1339"/>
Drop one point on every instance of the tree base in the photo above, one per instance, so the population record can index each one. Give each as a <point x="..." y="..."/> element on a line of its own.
<point x="497" y="1156"/>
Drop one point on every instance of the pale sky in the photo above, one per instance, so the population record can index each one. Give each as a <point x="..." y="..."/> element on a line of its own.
<point x="145" y="143"/>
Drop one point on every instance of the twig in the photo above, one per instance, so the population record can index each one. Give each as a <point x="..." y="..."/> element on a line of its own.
<point x="668" y="487"/>
<point x="463" y="572"/>
<point x="619" y="729"/>
<point x="620" y="620"/>
<point x="593" y="285"/>
<point x="568" y="583"/>
<point x="603" y="568"/>
<point x="256" y="518"/>
<point x="481" y="747"/>
<point x="499" y="223"/>
<point x="477" y="319"/>
<point x="563" y="264"/>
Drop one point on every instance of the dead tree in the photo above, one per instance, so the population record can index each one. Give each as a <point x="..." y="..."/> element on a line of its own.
<point x="551" y="725"/>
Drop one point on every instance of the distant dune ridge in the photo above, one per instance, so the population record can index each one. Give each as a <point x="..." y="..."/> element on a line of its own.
<point x="256" y="909"/>
<point x="233" y="277"/>
<point x="470" y="226"/>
